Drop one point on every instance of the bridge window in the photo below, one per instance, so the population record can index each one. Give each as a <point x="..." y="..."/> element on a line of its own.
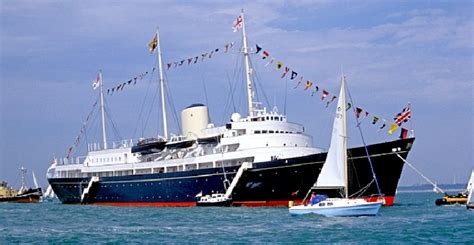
<point x="257" y="131"/>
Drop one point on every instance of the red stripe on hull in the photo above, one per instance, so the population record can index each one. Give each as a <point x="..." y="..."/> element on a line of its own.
<point x="265" y="203"/>
<point x="147" y="204"/>
<point x="389" y="200"/>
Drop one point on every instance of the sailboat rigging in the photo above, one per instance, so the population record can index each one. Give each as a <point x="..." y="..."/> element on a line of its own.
<point x="334" y="175"/>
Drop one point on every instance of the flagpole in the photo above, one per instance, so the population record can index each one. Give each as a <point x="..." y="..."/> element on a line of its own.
<point x="104" y="137"/>
<point x="247" y="67"/>
<point x="162" y="86"/>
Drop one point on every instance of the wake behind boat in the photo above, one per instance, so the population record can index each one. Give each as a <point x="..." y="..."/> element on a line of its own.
<point x="281" y="160"/>
<point x="334" y="175"/>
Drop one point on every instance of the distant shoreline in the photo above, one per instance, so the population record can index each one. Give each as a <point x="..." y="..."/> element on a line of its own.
<point x="429" y="188"/>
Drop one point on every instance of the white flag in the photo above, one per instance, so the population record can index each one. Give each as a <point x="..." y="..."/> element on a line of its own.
<point x="97" y="82"/>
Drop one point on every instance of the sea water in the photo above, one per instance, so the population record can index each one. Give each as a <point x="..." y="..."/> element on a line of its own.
<point x="413" y="219"/>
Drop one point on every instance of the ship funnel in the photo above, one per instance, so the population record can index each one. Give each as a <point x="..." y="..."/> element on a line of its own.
<point x="194" y="119"/>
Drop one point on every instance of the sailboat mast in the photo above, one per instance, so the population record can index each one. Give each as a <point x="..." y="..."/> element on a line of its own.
<point x="344" y="135"/>
<point x="247" y="67"/>
<point x="162" y="87"/>
<point x="104" y="136"/>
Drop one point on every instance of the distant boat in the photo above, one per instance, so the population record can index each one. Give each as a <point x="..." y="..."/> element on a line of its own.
<point x="49" y="195"/>
<point x="470" y="187"/>
<point x="334" y="176"/>
<point x="24" y="195"/>
<point x="460" y="198"/>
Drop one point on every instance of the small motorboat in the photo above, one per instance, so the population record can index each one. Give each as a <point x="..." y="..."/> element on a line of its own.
<point x="460" y="198"/>
<point x="214" y="200"/>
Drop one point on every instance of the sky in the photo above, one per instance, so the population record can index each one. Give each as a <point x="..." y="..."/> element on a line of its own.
<point x="391" y="52"/>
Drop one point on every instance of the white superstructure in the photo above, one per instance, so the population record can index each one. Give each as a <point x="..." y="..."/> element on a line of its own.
<point x="263" y="137"/>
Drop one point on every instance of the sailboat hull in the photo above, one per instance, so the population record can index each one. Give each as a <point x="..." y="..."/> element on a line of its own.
<point x="272" y="183"/>
<point x="339" y="208"/>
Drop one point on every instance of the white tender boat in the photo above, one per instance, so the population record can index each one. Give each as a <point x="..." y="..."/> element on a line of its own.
<point x="214" y="200"/>
<point x="334" y="175"/>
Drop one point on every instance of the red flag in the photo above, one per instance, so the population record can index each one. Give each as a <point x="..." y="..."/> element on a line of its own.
<point x="265" y="54"/>
<point x="325" y="94"/>
<point x="404" y="133"/>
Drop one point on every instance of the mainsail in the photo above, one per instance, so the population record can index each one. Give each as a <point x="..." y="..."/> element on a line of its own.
<point x="333" y="174"/>
<point x="470" y="184"/>
<point x="470" y="189"/>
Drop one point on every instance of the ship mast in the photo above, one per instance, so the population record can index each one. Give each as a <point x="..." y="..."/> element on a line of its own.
<point x="23" y="185"/>
<point x="162" y="86"/>
<point x="247" y="68"/>
<point x="104" y="137"/>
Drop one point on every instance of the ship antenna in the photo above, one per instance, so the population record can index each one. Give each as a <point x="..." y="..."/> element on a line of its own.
<point x="162" y="86"/>
<point x="23" y="185"/>
<point x="247" y="68"/>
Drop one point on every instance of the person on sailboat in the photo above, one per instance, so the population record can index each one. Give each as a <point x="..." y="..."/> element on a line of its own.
<point x="313" y="200"/>
<point x="316" y="198"/>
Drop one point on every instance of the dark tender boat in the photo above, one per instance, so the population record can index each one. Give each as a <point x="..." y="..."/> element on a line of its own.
<point x="149" y="146"/>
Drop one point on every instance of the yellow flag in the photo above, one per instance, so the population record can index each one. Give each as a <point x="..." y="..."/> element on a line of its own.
<point x="308" y="85"/>
<point x="393" y="127"/>
<point x="153" y="44"/>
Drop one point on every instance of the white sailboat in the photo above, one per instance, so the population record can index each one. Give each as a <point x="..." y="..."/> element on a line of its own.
<point x="334" y="175"/>
<point x="470" y="189"/>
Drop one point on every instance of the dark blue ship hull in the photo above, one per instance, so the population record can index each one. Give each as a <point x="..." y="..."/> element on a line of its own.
<point x="272" y="183"/>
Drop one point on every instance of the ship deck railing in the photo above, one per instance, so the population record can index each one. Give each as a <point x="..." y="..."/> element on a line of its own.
<point x="115" y="145"/>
